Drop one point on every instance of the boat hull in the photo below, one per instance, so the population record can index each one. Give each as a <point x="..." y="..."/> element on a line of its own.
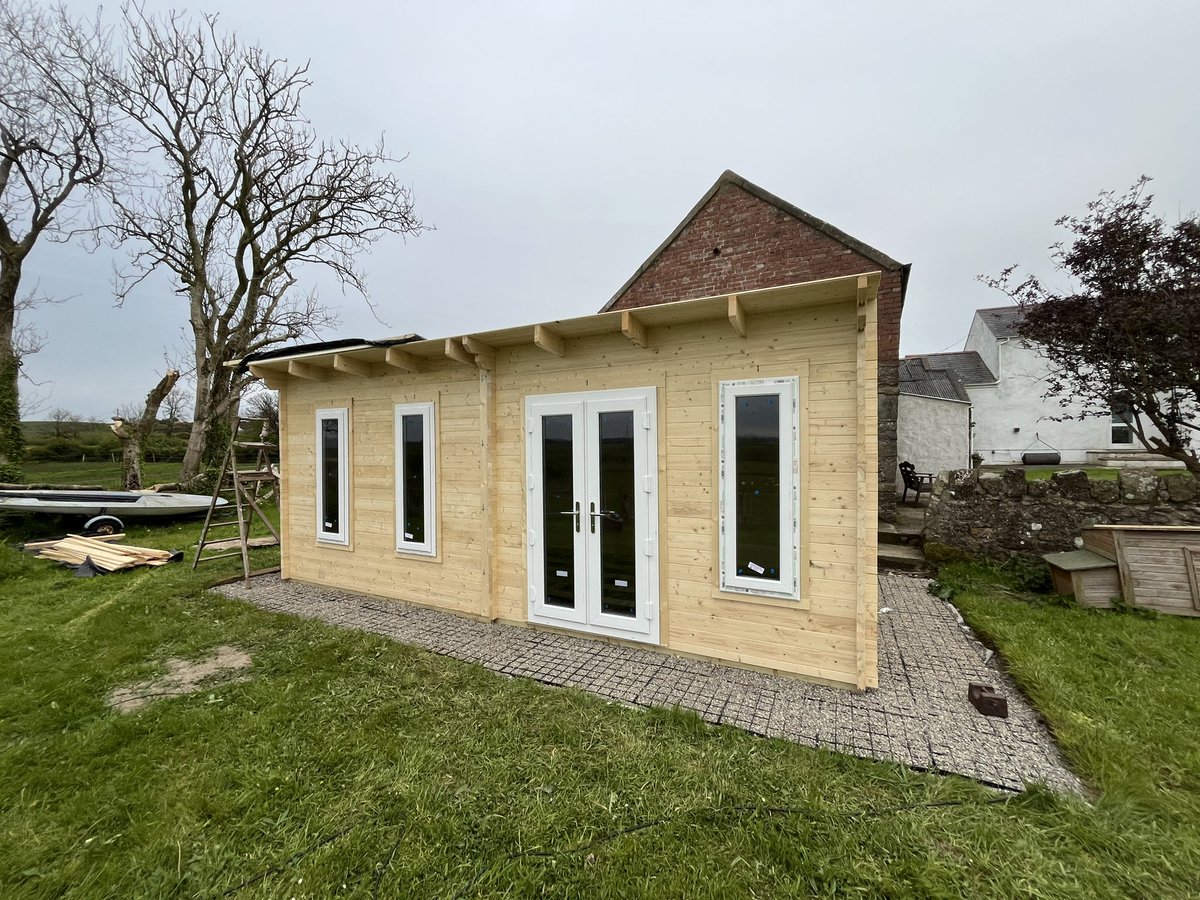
<point x="123" y="504"/>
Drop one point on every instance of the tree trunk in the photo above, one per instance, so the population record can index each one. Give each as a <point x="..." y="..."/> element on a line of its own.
<point x="12" y="442"/>
<point x="131" y="438"/>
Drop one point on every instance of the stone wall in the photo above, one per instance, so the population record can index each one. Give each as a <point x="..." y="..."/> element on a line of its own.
<point x="997" y="515"/>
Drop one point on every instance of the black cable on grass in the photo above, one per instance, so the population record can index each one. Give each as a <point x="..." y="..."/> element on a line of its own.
<point x="712" y="813"/>
<point x="384" y="866"/>
<point x="295" y="857"/>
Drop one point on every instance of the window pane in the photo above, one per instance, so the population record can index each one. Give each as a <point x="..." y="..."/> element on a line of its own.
<point x="558" y="497"/>
<point x="331" y="511"/>
<point x="413" y="434"/>
<point x="758" y="485"/>
<point x="618" y="569"/>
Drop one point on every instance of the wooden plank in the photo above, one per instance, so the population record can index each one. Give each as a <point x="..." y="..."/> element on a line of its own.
<point x="456" y="352"/>
<point x="1190" y="558"/>
<point x="403" y="360"/>
<point x="306" y="371"/>
<point x="343" y="362"/>
<point x="633" y="329"/>
<point x="485" y="356"/>
<point x="549" y="341"/>
<point x="737" y="316"/>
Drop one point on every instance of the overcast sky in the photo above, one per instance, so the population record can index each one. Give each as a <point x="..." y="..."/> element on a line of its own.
<point x="554" y="145"/>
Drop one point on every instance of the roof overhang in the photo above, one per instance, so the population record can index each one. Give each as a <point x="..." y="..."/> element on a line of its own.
<point x="366" y="358"/>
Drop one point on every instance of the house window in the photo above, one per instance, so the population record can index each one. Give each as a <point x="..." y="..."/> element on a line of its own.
<point x="1122" y="419"/>
<point x="333" y="476"/>
<point x="760" y="512"/>
<point x="416" y="516"/>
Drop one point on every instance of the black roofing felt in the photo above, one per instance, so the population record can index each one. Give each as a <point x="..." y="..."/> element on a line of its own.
<point x="916" y="377"/>
<point x="967" y="365"/>
<point x="326" y="347"/>
<point x="1002" y="321"/>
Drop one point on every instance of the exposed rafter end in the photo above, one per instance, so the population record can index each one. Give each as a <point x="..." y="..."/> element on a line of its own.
<point x="352" y="366"/>
<point x="272" y="378"/>
<point x="456" y="352"/>
<point x="485" y="355"/>
<point x="737" y="315"/>
<point x="864" y="290"/>
<point x="308" y="372"/>
<point x="402" y="359"/>
<point x="550" y="341"/>
<point x="633" y="329"/>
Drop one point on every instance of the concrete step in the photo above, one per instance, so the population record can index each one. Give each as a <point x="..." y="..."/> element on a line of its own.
<point x="899" y="556"/>
<point x="901" y="533"/>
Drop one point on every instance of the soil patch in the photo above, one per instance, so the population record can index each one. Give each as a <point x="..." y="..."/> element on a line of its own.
<point x="183" y="676"/>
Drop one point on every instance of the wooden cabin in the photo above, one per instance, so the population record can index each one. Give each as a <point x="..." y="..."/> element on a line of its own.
<point x="699" y="476"/>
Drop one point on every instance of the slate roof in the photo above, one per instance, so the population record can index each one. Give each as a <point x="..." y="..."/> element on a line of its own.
<point x="916" y="377"/>
<point x="1002" y="321"/>
<point x="967" y="365"/>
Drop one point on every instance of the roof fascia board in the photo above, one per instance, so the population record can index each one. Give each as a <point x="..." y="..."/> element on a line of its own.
<point x="434" y="347"/>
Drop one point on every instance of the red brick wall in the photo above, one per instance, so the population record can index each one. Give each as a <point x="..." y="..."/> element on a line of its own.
<point x="739" y="242"/>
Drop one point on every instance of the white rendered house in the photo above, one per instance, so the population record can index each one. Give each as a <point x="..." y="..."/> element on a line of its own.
<point x="1006" y="378"/>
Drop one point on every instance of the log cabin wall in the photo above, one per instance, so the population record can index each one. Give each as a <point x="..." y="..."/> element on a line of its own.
<point x="480" y="567"/>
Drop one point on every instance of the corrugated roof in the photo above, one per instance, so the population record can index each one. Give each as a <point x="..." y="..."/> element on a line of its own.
<point x="1002" y="321"/>
<point x="916" y="377"/>
<point x="967" y="365"/>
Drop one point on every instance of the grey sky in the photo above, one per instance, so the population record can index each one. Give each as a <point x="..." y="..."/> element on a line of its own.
<point x="554" y="145"/>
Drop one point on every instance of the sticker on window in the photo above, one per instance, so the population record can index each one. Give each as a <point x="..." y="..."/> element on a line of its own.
<point x="561" y="573"/>
<point x="408" y="536"/>
<point x="620" y="583"/>
<point x="755" y="568"/>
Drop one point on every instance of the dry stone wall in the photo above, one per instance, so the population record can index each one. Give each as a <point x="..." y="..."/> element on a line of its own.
<point x="1001" y="514"/>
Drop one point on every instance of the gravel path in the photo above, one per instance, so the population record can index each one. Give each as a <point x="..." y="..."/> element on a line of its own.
<point x="918" y="716"/>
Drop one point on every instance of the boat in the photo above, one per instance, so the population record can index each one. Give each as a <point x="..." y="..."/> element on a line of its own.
<point x="105" y="509"/>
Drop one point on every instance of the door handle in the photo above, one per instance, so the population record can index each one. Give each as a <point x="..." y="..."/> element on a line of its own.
<point x="611" y="514"/>
<point x="567" y="512"/>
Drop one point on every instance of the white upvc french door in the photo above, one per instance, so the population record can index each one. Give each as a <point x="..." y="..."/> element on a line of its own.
<point x="592" y="526"/>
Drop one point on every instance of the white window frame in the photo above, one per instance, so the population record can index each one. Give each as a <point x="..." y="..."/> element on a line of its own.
<point x="787" y="587"/>
<point x="342" y="416"/>
<point x="428" y="547"/>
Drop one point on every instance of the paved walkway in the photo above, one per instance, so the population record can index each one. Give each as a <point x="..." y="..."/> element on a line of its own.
<point x="919" y="715"/>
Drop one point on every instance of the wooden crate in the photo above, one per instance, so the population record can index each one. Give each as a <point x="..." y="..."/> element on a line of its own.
<point x="1093" y="579"/>
<point x="1159" y="566"/>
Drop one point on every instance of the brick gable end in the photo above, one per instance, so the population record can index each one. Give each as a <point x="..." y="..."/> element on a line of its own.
<point x="740" y="242"/>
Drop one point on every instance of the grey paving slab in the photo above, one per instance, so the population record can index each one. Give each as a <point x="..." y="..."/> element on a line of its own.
<point x="919" y="715"/>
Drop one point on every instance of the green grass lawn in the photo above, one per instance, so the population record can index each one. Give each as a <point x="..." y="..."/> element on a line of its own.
<point x="348" y="765"/>
<point x="101" y="472"/>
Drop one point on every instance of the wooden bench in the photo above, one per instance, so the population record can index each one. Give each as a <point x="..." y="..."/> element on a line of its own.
<point x="915" y="481"/>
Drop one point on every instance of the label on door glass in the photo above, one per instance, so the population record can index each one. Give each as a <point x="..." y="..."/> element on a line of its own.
<point x="561" y="573"/>
<point x="755" y="568"/>
<point x="619" y="583"/>
<point x="407" y="536"/>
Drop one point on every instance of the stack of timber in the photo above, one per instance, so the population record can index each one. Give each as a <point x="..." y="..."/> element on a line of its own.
<point x="1152" y="566"/>
<point x="104" y="554"/>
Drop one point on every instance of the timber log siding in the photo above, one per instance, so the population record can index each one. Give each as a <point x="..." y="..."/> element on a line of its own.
<point x="822" y="333"/>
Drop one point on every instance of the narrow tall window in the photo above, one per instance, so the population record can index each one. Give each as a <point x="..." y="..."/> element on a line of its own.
<point x="1122" y="422"/>
<point x="333" y="487"/>
<point x="416" y="514"/>
<point x="760" y="512"/>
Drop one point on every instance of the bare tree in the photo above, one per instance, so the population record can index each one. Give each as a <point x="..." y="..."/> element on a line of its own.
<point x="132" y="429"/>
<point x="175" y="404"/>
<point x="66" y="423"/>
<point x="55" y="125"/>
<point x="244" y="195"/>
